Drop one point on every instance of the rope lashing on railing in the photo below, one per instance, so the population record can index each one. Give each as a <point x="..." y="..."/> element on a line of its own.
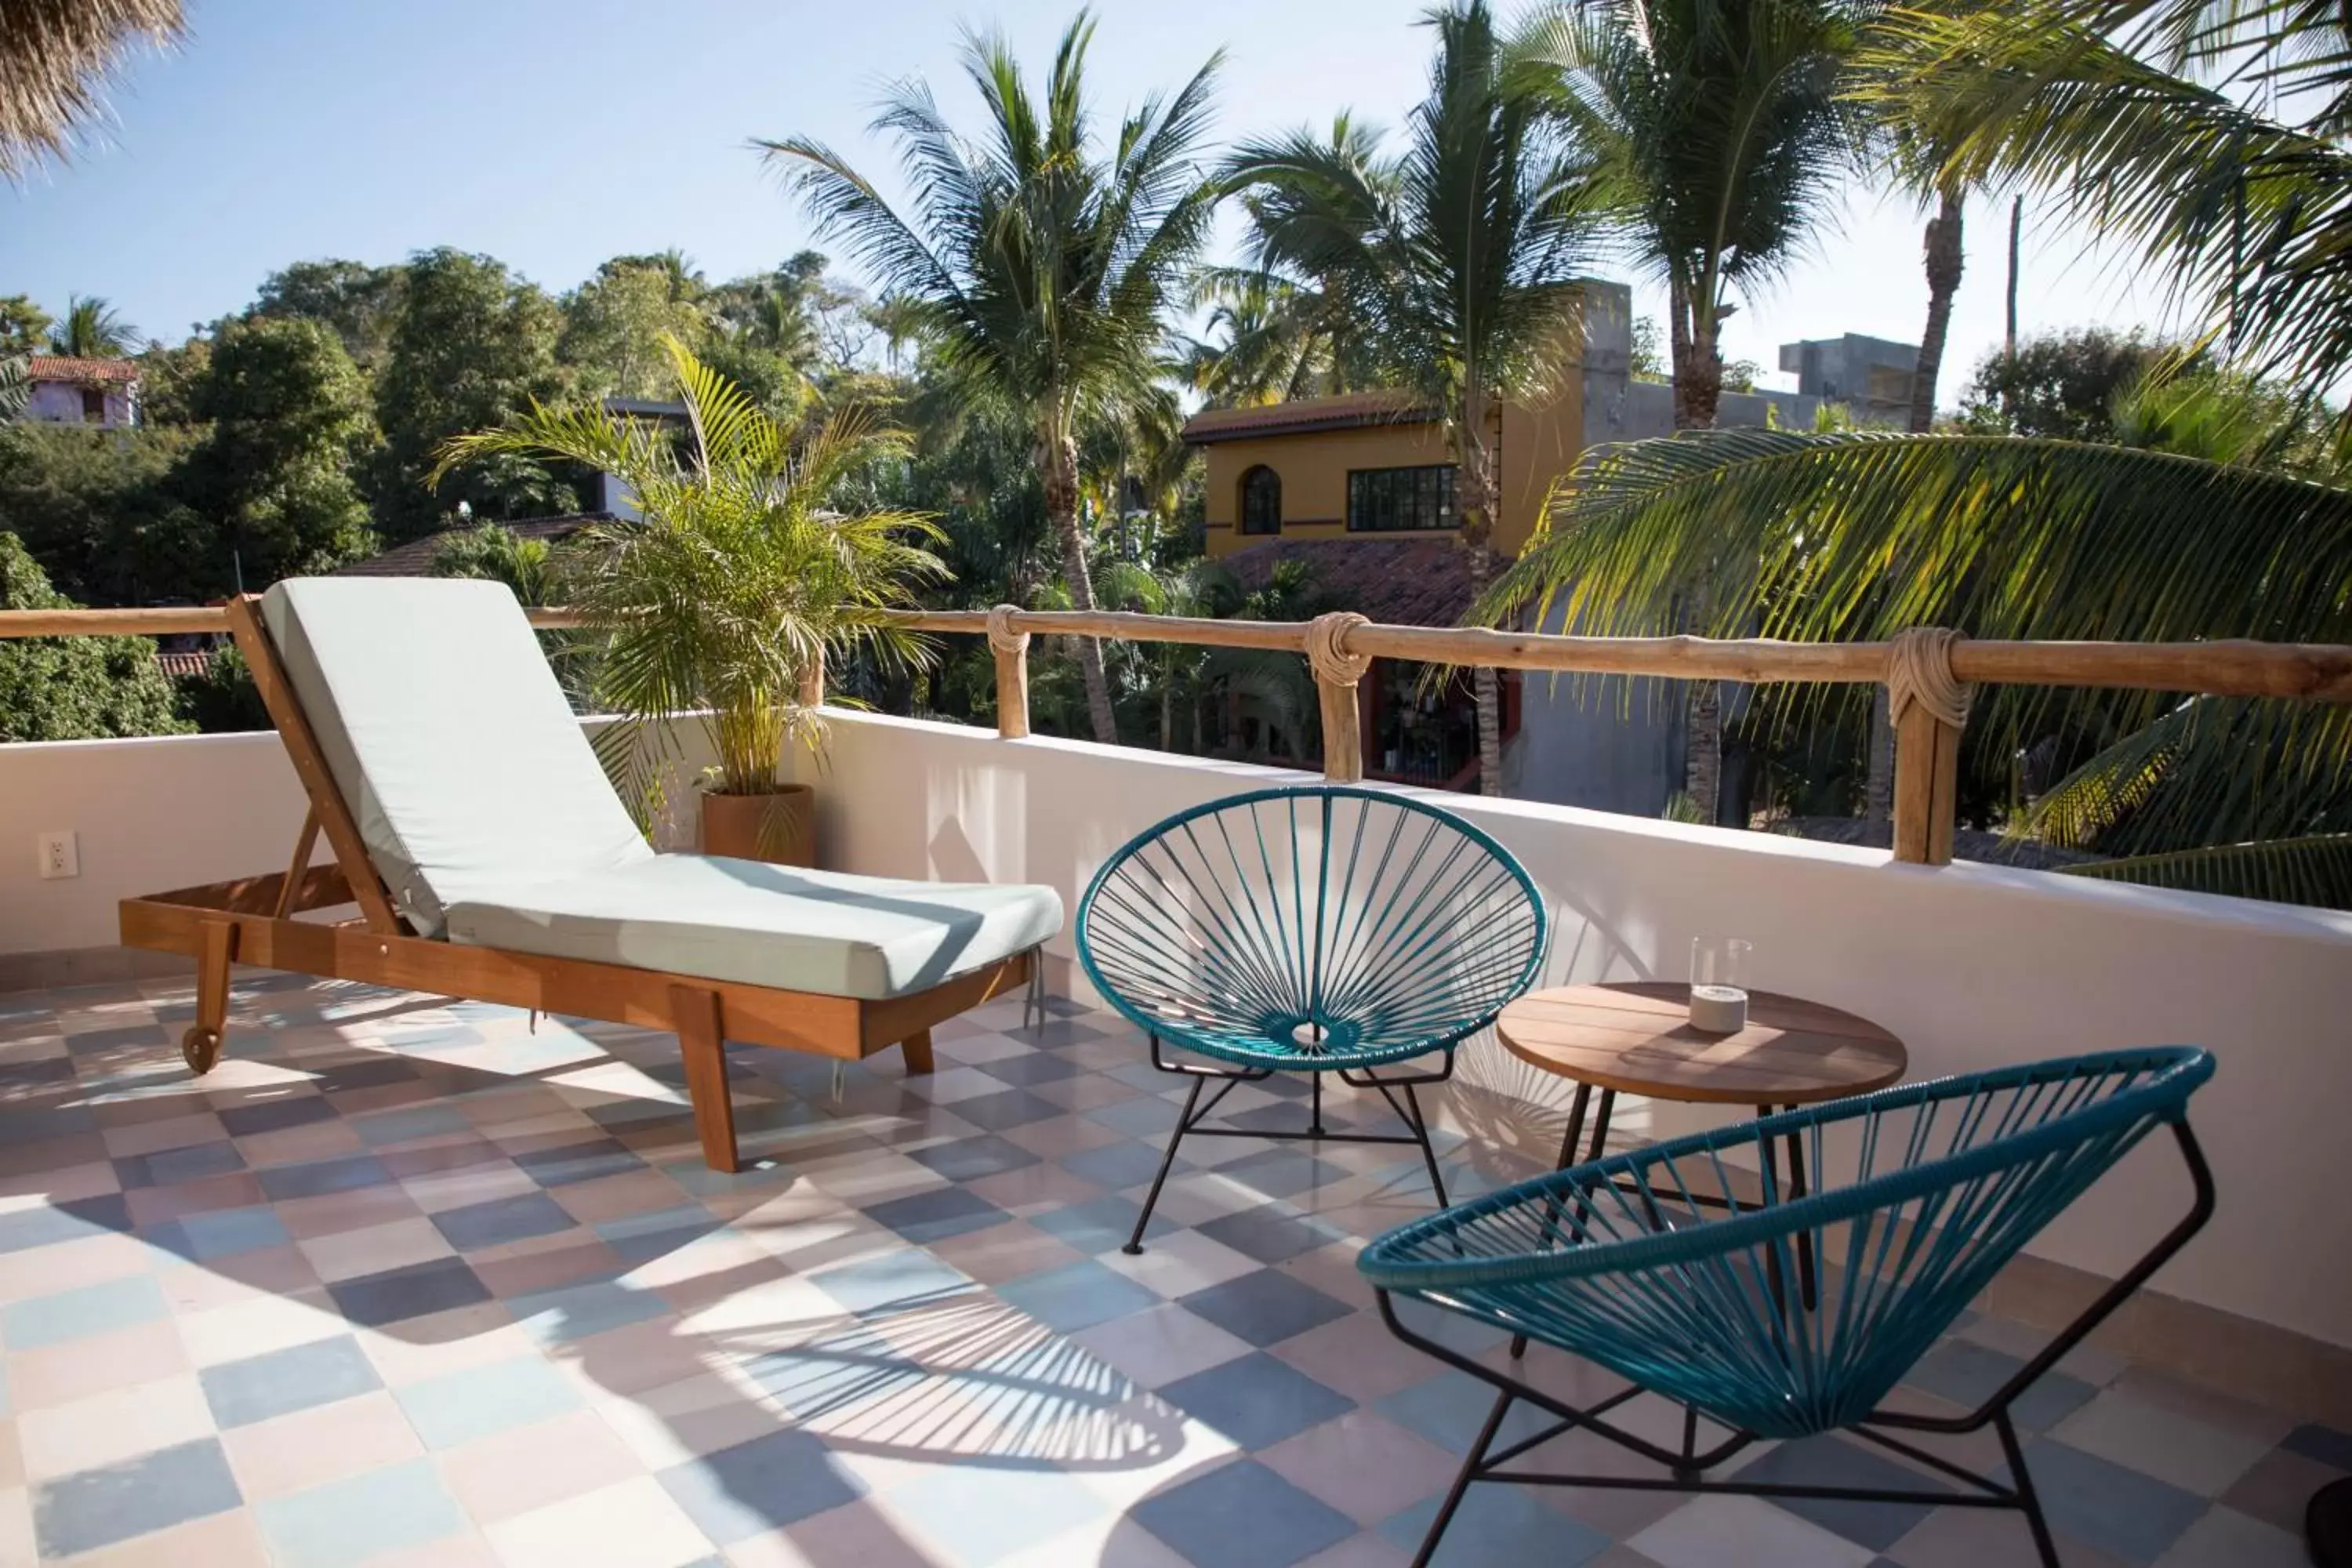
<point x="1919" y="669"/>
<point x="1326" y="652"/>
<point x="1001" y="637"/>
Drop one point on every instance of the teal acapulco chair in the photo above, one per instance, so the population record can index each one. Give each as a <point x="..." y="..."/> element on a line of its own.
<point x="1612" y="1261"/>
<point x="1317" y="930"/>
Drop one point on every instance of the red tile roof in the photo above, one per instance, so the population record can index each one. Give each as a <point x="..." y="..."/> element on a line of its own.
<point x="183" y="666"/>
<point x="56" y="367"/>
<point x="1401" y="582"/>
<point x="1347" y="410"/>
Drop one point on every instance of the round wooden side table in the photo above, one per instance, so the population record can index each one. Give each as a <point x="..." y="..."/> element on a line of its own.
<point x="1636" y="1037"/>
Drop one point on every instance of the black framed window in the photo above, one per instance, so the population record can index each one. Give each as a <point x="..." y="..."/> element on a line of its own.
<point x="1385" y="501"/>
<point x="1260" y="500"/>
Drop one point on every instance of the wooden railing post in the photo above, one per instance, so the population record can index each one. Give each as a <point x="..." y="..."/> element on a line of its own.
<point x="1011" y="650"/>
<point x="1337" y="671"/>
<point x="813" y="681"/>
<point x="1930" y="710"/>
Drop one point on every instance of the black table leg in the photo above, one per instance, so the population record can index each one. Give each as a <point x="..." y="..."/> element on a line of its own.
<point x="1804" y="1237"/>
<point x="1568" y="1157"/>
<point x="1790" y="1191"/>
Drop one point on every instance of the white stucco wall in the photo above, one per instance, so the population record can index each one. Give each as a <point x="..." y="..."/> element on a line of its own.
<point x="1972" y="965"/>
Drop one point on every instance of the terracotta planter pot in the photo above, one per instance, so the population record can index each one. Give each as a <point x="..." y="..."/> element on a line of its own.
<point x="779" y="827"/>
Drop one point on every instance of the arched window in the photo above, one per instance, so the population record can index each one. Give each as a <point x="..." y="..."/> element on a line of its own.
<point x="1260" y="500"/>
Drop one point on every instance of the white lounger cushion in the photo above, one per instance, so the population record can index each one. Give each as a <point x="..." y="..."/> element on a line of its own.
<point x="486" y="811"/>
<point x="448" y="737"/>
<point x="768" y="925"/>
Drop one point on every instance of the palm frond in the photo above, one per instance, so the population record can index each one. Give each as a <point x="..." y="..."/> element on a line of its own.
<point x="2251" y="214"/>
<point x="2106" y="790"/>
<point x="56" y="57"/>
<point x="1857" y="534"/>
<point x="2315" y="870"/>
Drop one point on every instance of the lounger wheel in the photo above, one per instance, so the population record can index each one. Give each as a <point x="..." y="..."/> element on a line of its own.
<point x="200" y="1049"/>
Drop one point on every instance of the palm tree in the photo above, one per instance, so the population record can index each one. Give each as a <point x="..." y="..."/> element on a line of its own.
<point x="1459" y="256"/>
<point x="2208" y="139"/>
<point x="1274" y="336"/>
<point x="1722" y="120"/>
<point x="55" y="55"/>
<point x="741" y="577"/>
<point x="900" y="322"/>
<point x="1043" y="263"/>
<point x="1261" y="342"/>
<point x="92" y="329"/>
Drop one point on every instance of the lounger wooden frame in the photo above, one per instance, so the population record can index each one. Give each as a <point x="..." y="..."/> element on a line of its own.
<point x="251" y="922"/>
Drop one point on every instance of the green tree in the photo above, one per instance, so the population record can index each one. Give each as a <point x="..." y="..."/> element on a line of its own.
<point x="55" y="57"/>
<point x="1044" y="262"/>
<point x="2058" y="384"/>
<point x="613" y="325"/>
<point x="169" y="376"/>
<point x="92" y="329"/>
<point x="222" y="700"/>
<point x="23" y="326"/>
<point x="1460" y="256"/>
<point x="73" y="689"/>
<point x="1722" y="121"/>
<point x="289" y="420"/>
<point x="471" y="347"/>
<point x="97" y="511"/>
<point x="355" y="301"/>
<point x="492" y="551"/>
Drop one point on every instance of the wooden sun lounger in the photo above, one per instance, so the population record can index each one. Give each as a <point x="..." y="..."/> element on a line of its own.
<point x="251" y="922"/>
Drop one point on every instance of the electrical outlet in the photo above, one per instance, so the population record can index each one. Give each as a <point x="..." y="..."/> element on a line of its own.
<point x="58" y="855"/>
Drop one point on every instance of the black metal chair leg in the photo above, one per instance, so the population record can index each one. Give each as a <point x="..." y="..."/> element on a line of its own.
<point x="1183" y="1121"/>
<point x="1421" y="1136"/>
<point x="2029" y="1500"/>
<point x="1462" y="1481"/>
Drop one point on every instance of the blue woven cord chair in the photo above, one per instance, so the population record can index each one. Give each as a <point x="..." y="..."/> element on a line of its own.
<point x="1317" y="930"/>
<point x="1615" y="1261"/>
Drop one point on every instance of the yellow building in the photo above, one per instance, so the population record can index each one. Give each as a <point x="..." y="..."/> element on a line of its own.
<point x="1370" y="464"/>
<point x="1361" y="490"/>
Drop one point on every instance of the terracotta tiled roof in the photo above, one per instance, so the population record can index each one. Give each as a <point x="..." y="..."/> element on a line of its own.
<point x="414" y="559"/>
<point x="1346" y="411"/>
<point x="180" y="666"/>
<point x="56" y="367"/>
<point x="1402" y="582"/>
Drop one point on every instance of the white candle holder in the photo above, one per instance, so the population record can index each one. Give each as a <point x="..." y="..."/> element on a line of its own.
<point x="1719" y="985"/>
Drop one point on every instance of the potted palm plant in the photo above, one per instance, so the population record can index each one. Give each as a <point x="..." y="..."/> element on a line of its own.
<point x="731" y="592"/>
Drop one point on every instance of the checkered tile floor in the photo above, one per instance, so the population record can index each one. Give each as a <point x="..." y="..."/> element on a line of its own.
<point x="408" y="1282"/>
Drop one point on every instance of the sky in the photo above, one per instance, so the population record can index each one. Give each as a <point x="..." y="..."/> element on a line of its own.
<point x="555" y="133"/>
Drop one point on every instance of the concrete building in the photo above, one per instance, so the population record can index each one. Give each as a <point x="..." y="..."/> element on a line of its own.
<point x="1871" y="376"/>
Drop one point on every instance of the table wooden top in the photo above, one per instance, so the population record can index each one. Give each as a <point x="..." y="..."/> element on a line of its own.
<point x="1636" y="1038"/>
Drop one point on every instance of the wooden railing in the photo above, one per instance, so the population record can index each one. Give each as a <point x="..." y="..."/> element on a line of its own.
<point x="1928" y="728"/>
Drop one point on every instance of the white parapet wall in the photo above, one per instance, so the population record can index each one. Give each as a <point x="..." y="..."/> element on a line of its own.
<point x="146" y="815"/>
<point x="1972" y="965"/>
